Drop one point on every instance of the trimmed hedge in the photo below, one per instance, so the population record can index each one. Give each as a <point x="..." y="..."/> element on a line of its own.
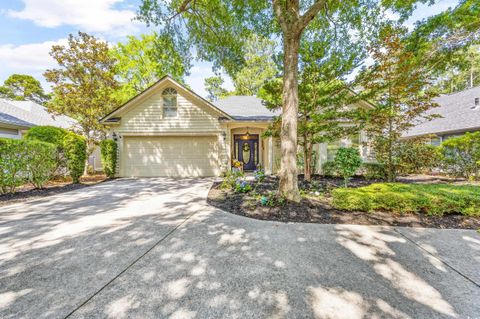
<point x="53" y="135"/>
<point x="13" y="164"/>
<point x="41" y="161"/>
<point x="431" y="199"/>
<point x="108" y="153"/>
<point x="24" y="161"/>
<point x="76" y="154"/>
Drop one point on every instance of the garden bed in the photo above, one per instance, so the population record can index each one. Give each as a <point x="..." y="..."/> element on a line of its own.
<point x="316" y="207"/>
<point x="53" y="187"/>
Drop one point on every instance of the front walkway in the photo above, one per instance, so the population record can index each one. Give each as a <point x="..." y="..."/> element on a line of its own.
<point x="153" y="248"/>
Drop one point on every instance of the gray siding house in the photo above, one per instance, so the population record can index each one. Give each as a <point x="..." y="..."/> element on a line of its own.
<point x="460" y="113"/>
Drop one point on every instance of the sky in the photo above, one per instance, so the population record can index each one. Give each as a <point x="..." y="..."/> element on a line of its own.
<point x="28" y="29"/>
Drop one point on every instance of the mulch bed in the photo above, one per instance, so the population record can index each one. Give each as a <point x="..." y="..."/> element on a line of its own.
<point x="316" y="209"/>
<point x="29" y="192"/>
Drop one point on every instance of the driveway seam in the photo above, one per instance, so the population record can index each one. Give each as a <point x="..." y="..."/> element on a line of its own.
<point x="128" y="267"/>
<point x="438" y="258"/>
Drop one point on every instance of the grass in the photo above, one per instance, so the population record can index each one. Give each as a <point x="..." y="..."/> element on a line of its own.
<point x="431" y="199"/>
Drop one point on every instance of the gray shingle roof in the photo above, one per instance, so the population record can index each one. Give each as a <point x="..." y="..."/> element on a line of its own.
<point x="246" y="108"/>
<point x="457" y="111"/>
<point x="12" y="120"/>
<point x="34" y="113"/>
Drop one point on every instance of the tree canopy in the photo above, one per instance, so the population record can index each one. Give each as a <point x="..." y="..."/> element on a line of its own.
<point x="141" y="61"/>
<point x="219" y="29"/>
<point x="23" y="87"/>
<point x="84" y="83"/>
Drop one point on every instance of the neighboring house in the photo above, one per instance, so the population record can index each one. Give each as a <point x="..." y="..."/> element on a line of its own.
<point x="169" y="130"/>
<point x="16" y="117"/>
<point x="11" y="126"/>
<point x="460" y="113"/>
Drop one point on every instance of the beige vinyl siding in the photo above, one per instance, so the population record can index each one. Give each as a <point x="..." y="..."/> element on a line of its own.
<point x="147" y="117"/>
<point x="173" y="156"/>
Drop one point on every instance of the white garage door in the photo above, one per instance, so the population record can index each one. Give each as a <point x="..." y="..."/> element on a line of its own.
<point x="175" y="156"/>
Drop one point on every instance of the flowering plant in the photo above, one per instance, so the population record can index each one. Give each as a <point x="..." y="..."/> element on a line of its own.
<point x="242" y="186"/>
<point x="236" y="164"/>
<point x="259" y="174"/>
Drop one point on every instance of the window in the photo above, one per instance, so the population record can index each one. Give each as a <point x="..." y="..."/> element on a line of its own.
<point x="169" y="103"/>
<point x="351" y="141"/>
<point x="436" y="141"/>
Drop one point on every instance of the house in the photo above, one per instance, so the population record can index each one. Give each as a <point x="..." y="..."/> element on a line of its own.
<point x="169" y="130"/>
<point x="460" y="113"/>
<point x="18" y="116"/>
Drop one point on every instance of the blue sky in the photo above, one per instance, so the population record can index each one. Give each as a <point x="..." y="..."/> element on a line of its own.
<point x="28" y="28"/>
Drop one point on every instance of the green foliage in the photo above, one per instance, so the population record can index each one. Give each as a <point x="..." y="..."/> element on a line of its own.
<point x="41" y="162"/>
<point x="329" y="169"/>
<point x="272" y="199"/>
<point x="13" y="164"/>
<point x="460" y="156"/>
<point x="415" y="157"/>
<point x="399" y="86"/>
<point x="23" y="87"/>
<point x="347" y="161"/>
<point x="259" y="66"/>
<point x="142" y="61"/>
<point x="84" y="84"/>
<point x="213" y="86"/>
<point x="108" y="152"/>
<point x="374" y="171"/>
<point x="231" y="177"/>
<point x="242" y="186"/>
<point x="53" y="135"/>
<point x="75" y="152"/>
<point x="432" y="199"/>
<point x="24" y="161"/>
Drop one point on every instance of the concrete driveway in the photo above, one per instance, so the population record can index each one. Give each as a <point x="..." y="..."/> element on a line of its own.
<point x="153" y="248"/>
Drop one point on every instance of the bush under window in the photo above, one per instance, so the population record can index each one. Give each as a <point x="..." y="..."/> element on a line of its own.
<point x="460" y="156"/>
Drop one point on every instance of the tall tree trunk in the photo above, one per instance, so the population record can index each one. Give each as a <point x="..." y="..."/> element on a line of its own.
<point x="288" y="166"/>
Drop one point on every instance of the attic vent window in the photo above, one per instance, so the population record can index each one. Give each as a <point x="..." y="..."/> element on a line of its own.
<point x="169" y="103"/>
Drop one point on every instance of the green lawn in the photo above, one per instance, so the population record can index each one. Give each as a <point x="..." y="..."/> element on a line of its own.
<point x="431" y="199"/>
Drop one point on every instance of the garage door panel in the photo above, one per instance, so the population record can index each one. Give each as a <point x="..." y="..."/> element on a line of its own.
<point x="173" y="156"/>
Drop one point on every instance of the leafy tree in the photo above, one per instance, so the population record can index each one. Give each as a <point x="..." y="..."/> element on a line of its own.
<point x="23" y="87"/>
<point x="325" y="57"/>
<point x="463" y="72"/>
<point x="398" y="84"/>
<point x="443" y="42"/>
<point x="213" y="86"/>
<point x="259" y="66"/>
<point x="84" y="84"/>
<point x="142" y="61"/>
<point x="218" y="30"/>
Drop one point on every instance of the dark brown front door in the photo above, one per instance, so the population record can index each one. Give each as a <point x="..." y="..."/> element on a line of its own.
<point x="246" y="150"/>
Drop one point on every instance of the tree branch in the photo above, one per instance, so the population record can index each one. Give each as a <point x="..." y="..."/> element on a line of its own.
<point x="311" y="13"/>
<point x="277" y="8"/>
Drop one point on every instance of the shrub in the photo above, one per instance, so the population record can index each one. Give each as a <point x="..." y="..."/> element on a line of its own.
<point x="460" y="156"/>
<point x="432" y="199"/>
<point x="41" y="158"/>
<point x="13" y="164"/>
<point x="329" y="169"/>
<point x="76" y="154"/>
<point x="108" y="153"/>
<point x="415" y="157"/>
<point x="347" y="161"/>
<point x="374" y="171"/>
<point x="52" y="135"/>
